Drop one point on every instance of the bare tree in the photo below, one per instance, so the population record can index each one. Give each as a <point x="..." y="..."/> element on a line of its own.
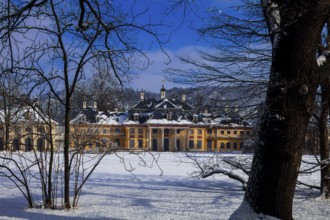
<point x="62" y="42"/>
<point x="295" y="30"/>
<point x="101" y="31"/>
<point x="238" y="61"/>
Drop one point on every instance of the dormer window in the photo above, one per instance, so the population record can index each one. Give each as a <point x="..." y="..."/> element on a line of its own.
<point x="136" y="116"/>
<point x="27" y="115"/>
<point x="83" y="118"/>
<point x="97" y="118"/>
<point x="195" y="118"/>
<point x="169" y="116"/>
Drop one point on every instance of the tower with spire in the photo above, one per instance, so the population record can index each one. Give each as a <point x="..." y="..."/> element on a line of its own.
<point x="163" y="91"/>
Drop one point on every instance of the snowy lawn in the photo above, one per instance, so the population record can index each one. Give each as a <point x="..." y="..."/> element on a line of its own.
<point x="113" y="193"/>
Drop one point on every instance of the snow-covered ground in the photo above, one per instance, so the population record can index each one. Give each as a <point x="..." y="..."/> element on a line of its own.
<point x="113" y="193"/>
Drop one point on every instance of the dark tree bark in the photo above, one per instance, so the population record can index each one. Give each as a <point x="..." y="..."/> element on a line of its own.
<point x="295" y="29"/>
<point x="324" y="146"/>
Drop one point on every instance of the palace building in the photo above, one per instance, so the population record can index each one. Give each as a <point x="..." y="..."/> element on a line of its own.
<point x="162" y="124"/>
<point x="27" y="128"/>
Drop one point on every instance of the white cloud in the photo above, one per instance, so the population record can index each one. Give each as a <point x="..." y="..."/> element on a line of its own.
<point x="151" y="78"/>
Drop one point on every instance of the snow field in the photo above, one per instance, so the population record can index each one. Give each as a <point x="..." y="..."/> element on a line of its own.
<point x="113" y="193"/>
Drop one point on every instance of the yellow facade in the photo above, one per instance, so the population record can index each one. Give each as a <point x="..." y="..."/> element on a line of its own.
<point x="162" y="137"/>
<point x="27" y="136"/>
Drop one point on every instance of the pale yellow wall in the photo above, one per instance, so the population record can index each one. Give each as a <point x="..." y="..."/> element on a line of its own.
<point x="199" y="135"/>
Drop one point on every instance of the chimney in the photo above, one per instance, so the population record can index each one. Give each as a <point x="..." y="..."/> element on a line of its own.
<point x="184" y="98"/>
<point x="206" y="111"/>
<point x="95" y="105"/>
<point x="84" y="105"/>
<point x="142" y="95"/>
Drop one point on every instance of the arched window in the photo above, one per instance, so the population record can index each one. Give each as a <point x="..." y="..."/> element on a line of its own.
<point x="2" y="147"/>
<point x="117" y="141"/>
<point x="16" y="144"/>
<point x="28" y="144"/>
<point x="40" y="144"/>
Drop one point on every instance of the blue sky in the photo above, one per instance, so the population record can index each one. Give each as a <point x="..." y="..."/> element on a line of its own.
<point x="184" y="40"/>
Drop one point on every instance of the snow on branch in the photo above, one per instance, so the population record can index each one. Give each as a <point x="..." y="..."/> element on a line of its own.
<point x="272" y="15"/>
<point x="217" y="164"/>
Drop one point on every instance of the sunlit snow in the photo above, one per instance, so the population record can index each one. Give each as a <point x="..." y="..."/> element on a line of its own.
<point x="113" y="193"/>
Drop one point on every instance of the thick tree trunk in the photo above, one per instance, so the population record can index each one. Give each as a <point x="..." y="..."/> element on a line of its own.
<point x="289" y="104"/>
<point x="324" y="146"/>
<point x="67" y="203"/>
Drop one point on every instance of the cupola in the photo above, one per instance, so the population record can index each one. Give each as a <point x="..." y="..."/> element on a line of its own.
<point x="184" y="97"/>
<point x="142" y="95"/>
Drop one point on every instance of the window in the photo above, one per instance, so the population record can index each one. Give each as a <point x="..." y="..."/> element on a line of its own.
<point x="191" y="131"/>
<point x="178" y="131"/>
<point x="169" y="116"/>
<point x="90" y="145"/>
<point x="16" y="144"/>
<point x="83" y="118"/>
<point x="154" y="131"/>
<point x="166" y="131"/>
<point x="199" y="144"/>
<point x="117" y="130"/>
<point x="199" y="131"/>
<point x="248" y="132"/>
<point x="222" y="132"/>
<point x="28" y="144"/>
<point x="209" y="132"/>
<point x="2" y="146"/>
<point x="228" y="132"/>
<point x="140" y="143"/>
<point x="241" y="145"/>
<point x="27" y="115"/>
<point x="40" y="144"/>
<point x="191" y="144"/>
<point x="131" y="130"/>
<point x="140" y="131"/>
<point x="136" y="116"/>
<point x="117" y="142"/>
<point x="28" y="129"/>
<point x="235" y="146"/>
<point x="131" y="143"/>
<point x="228" y="145"/>
<point x="41" y="129"/>
<point x="235" y="132"/>
<point x="241" y="133"/>
<point x="104" y="131"/>
<point x="222" y="145"/>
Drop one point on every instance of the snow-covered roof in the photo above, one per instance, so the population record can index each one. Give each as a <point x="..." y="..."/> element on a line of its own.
<point x="25" y="114"/>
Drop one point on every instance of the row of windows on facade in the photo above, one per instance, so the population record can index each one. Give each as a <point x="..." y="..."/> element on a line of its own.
<point x="26" y="146"/>
<point x="199" y="131"/>
<point x="27" y="129"/>
<point x="191" y="145"/>
<point x="191" y="131"/>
